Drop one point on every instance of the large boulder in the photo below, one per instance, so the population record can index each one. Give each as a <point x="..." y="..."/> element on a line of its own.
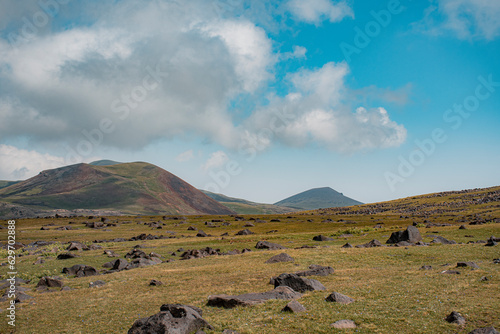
<point x="268" y="245"/>
<point x="441" y="240"/>
<point x="249" y="299"/>
<point x="172" y="319"/>
<point x="411" y="235"/>
<point x="80" y="270"/>
<point x="298" y="283"/>
<point x="322" y="238"/>
<point x="283" y="257"/>
<point x="49" y="282"/>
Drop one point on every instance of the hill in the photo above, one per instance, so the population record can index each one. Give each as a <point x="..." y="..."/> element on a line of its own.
<point x="242" y="206"/>
<point x="104" y="163"/>
<point x="129" y="188"/>
<point x="317" y="198"/>
<point x="4" y="184"/>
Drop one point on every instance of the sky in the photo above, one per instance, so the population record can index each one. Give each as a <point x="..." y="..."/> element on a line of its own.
<point x="256" y="99"/>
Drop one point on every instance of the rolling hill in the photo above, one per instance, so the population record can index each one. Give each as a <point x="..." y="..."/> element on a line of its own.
<point x="242" y="206"/>
<point x="129" y="188"/>
<point x="316" y="199"/>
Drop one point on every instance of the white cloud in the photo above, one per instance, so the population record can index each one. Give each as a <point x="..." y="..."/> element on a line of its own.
<point x="316" y="11"/>
<point x="185" y="156"/>
<point x="18" y="164"/>
<point x="216" y="159"/>
<point x="319" y="112"/>
<point x="467" y="19"/>
<point x="299" y="52"/>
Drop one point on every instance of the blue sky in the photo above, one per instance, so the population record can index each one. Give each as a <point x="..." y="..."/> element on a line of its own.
<point x="254" y="99"/>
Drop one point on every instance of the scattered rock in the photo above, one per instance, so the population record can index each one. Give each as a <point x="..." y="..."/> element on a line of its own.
<point x="39" y="261"/>
<point x="373" y="243"/>
<point x="496" y="261"/>
<point x="451" y="272"/>
<point x="440" y="239"/>
<point x="294" y="307"/>
<point x="467" y="264"/>
<point x="229" y="331"/>
<point x="80" y="270"/>
<point x="268" y="245"/>
<point x="249" y="299"/>
<point x="347" y="245"/>
<point x="426" y="268"/>
<point x="322" y="238"/>
<point x="76" y="246"/>
<point x="462" y="227"/>
<point x="65" y="256"/>
<point x="172" y="319"/>
<point x="344" y="324"/>
<point x="245" y="232"/>
<point x="411" y="235"/>
<point x="455" y="318"/>
<point x="191" y="228"/>
<point x="484" y="279"/>
<point x="21" y="297"/>
<point x="492" y="241"/>
<point x="316" y="270"/>
<point x="49" y="282"/>
<point x="298" y="283"/>
<point x="248" y="225"/>
<point x="96" y="284"/>
<point x="283" y="257"/>
<point x="201" y="234"/>
<point x="339" y="298"/>
<point x="155" y="282"/>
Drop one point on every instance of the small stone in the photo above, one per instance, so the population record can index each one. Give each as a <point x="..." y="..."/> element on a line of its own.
<point x="155" y="282"/>
<point x="484" y="279"/>
<point x="455" y="318"/>
<point x="294" y="307"/>
<point x="96" y="284"/>
<point x="467" y="264"/>
<point x="344" y="324"/>
<point x="426" y="268"/>
<point x="283" y="257"/>
<point x="451" y="272"/>
<point x="339" y="298"/>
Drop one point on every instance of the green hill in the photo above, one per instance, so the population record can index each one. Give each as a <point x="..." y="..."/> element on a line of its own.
<point x="104" y="163"/>
<point x="132" y="188"/>
<point x="316" y="199"/>
<point x="242" y="206"/>
<point x="4" y="184"/>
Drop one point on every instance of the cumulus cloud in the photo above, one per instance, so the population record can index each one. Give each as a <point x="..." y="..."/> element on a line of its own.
<point x="173" y="69"/>
<point x="316" y="11"/>
<point x="185" y="156"/>
<point x="216" y="159"/>
<point x="465" y="18"/>
<point x="18" y="164"/>
<point x="319" y="112"/>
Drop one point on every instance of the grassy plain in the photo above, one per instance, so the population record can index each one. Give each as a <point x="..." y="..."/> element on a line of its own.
<point x="392" y="294"/>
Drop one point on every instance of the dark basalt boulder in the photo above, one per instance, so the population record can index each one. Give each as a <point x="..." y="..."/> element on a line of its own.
<point x="80" y="270"/>
<point x="322" y="238"/>
<point x="249" y="299"/>
<point x="268" y="245"/>
<point x="298" y="283"/>
<point x="172" y="319"/>
<point x="411" y="235"/>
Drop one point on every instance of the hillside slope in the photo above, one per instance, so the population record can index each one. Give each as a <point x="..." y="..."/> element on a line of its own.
<point x="131" y="188"/>
<point x="317" y="198"/>
<point x="242" y="206"/>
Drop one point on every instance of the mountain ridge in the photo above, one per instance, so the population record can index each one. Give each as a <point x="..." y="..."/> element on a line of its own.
<point x="131" y="188"/>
